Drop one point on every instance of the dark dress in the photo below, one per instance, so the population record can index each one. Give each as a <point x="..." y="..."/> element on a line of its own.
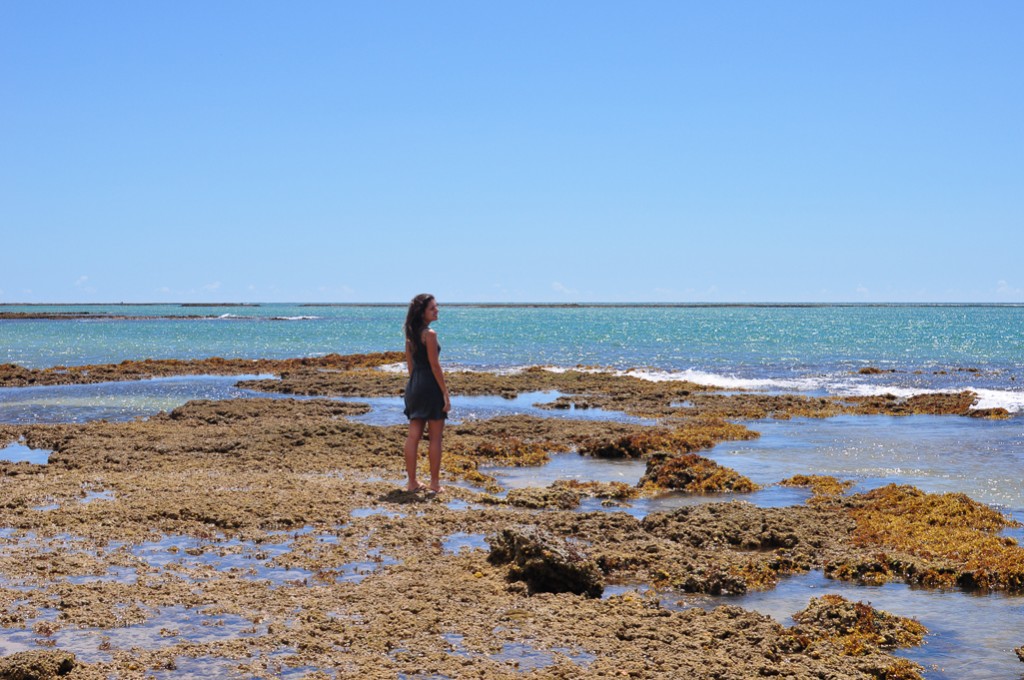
<point x="423" y="396"/>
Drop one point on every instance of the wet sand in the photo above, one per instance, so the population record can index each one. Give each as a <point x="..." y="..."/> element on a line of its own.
<point x="288" y="517"/>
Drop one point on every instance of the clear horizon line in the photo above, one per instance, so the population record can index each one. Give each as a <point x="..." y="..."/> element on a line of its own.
<point x="520" y="304"/>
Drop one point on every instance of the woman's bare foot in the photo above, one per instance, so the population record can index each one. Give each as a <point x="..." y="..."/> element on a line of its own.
<point x="413" y="488"/>
<point x="434" y="491"/>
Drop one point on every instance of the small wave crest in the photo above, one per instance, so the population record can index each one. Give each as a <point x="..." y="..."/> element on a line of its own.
<point x="1010" y="400"/>
<point x="854" y="390"/>
<point x="839" y="384"/>
<point x="694" y="376"/>
<point x="705" y="378"/>
<point x="238" y="317"/>
<point x="726" y="381"/>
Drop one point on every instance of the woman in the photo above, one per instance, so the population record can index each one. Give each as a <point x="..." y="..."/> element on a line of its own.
<point x="426" y="395"/>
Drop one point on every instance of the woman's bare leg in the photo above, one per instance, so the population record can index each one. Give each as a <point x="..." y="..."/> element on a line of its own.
<point x="436" y="435"/>
<point x="412" y="444"/>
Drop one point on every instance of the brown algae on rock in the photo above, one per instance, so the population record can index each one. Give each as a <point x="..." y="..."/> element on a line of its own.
<point x="860" y="630"/>
<point x="824" y="488"/>
<point x="858" y="627"/>
<point x="693" y="474"/>
<point x="933" y="539"/>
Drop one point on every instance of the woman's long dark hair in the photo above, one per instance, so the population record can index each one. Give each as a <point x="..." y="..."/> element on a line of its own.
<point x="414" y="320"/>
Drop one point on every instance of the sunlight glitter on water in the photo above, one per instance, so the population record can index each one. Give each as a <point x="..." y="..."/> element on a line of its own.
<point x="937" y="454"/>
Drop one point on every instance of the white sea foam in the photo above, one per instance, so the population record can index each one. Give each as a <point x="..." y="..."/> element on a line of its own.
<point x="838" y="384"/>
<point x="566" y="369"/>
<point x="514" y="370"/>
<point x="400" y="367"/>
<point x="294" y="318"/>
<point x="855" y="390"/>
<point x="1010" y="400"/>
<point x="703" y="378"/>
<point x="726" y="381"/>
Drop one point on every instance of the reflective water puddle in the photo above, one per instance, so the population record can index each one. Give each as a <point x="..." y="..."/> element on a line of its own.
<point x="165" y="627"/>
<point x="459" y="541"/>
<point x="19" y="453"/>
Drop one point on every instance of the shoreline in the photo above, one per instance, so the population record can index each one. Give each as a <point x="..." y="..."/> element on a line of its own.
<point x="301" y="473"/>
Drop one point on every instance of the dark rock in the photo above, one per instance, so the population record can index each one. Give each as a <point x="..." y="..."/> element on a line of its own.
<point x="36" y="665"/>
<point x="547" y="563"/>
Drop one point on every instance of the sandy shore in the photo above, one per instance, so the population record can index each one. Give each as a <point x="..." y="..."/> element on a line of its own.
<point x="282" y="523"/>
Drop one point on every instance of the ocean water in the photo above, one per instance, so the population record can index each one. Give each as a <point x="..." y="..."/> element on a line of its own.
<point x="803" y="349"/>
<point x="807" y="348"/>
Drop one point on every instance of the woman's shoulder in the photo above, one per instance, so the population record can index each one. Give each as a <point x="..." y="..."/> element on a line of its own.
<point x="429" y="336"/>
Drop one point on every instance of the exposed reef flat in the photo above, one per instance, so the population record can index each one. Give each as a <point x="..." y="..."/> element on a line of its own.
<point x="357" y="375"/>
<point x="288" y="516"/>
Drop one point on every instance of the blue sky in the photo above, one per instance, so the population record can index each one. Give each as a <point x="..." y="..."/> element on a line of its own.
<point x="529" y="151"/>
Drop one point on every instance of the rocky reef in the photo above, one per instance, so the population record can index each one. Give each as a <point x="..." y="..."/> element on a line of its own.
<point x="290" y="517"/>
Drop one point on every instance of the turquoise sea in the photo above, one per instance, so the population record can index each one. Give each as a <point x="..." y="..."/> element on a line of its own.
<point x="788" y="346"/>
<point x="805" y="349"/>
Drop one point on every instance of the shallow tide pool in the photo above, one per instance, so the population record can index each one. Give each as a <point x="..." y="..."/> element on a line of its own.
<point x="115" y="401"/>
<point x="937" y="454"/>
<point x="958" y="645"/>
<point x="17" y="452"/>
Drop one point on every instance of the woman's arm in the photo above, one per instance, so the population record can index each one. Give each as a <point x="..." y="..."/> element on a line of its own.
<point x="434" y="354"/>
